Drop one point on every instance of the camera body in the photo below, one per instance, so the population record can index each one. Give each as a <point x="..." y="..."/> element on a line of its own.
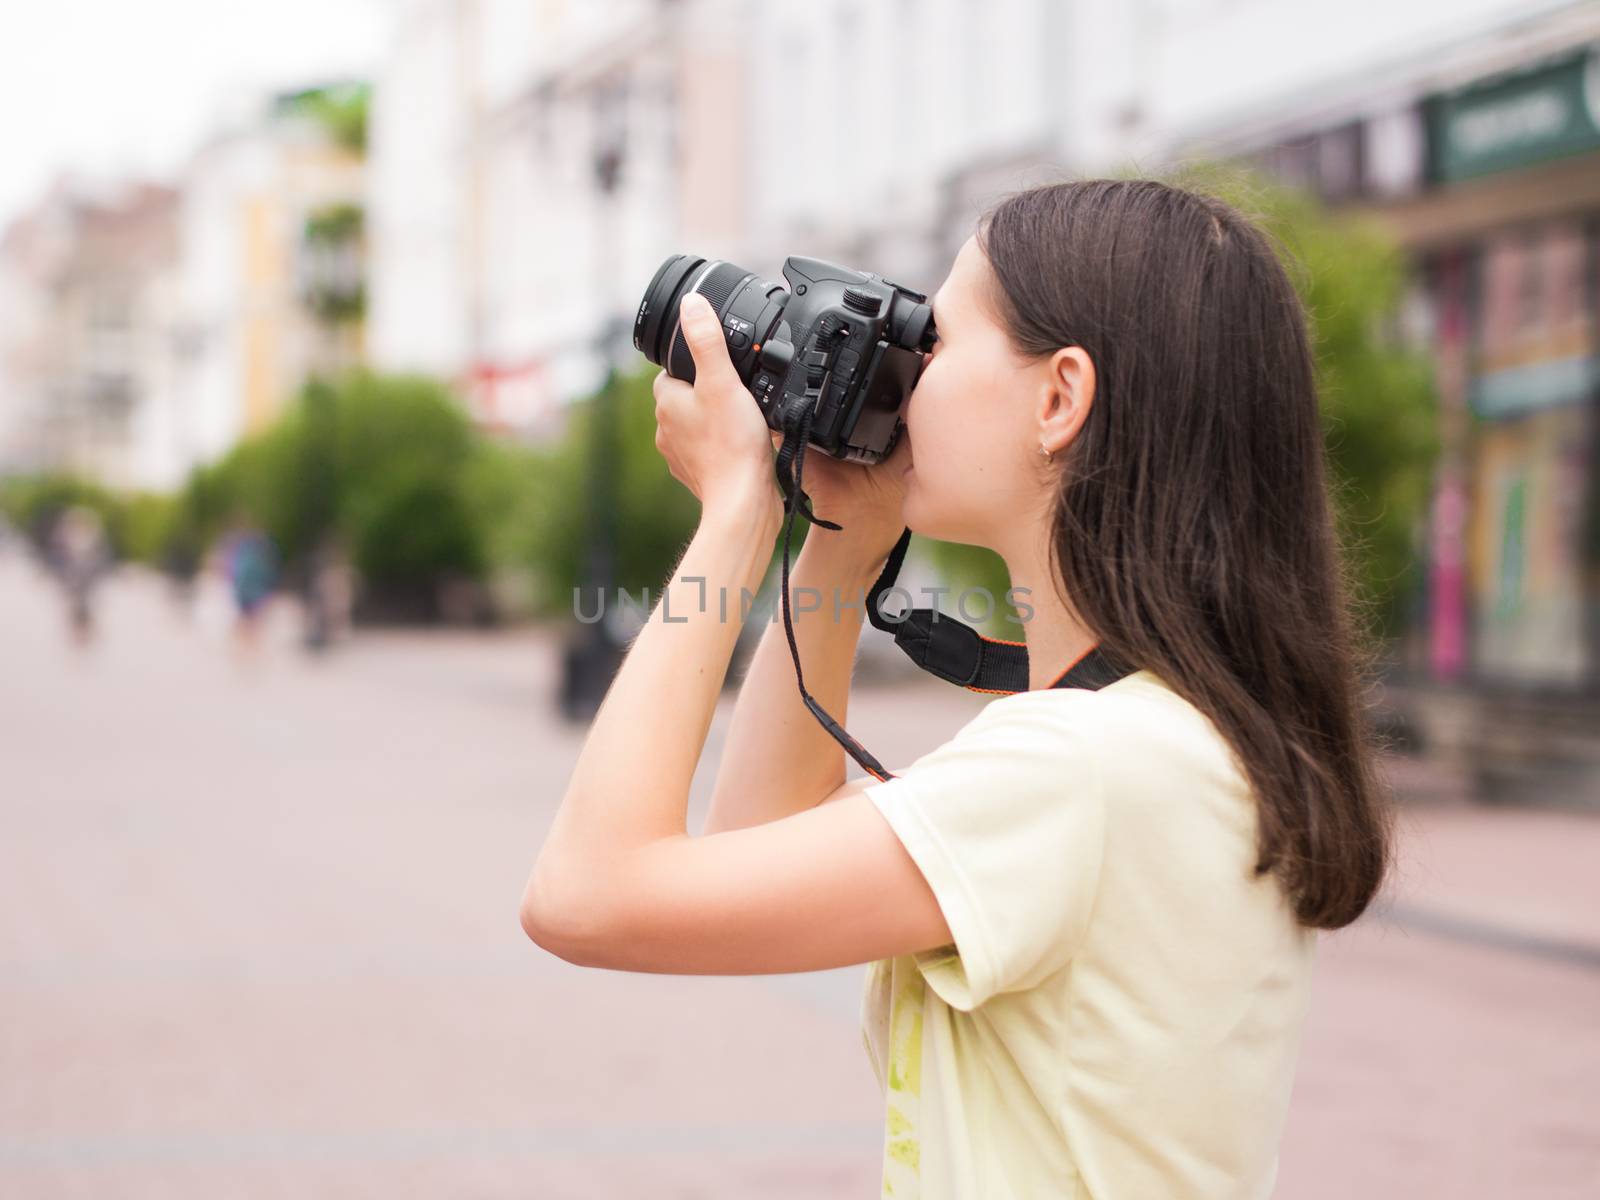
<point x="846" y="341"/>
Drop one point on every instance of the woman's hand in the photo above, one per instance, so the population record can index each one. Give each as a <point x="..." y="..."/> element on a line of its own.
<point x="866" y="501"/>
<point x="711" y="432"/>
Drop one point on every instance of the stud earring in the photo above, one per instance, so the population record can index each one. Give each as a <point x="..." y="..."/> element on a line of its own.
<point x="1044" y="452"/>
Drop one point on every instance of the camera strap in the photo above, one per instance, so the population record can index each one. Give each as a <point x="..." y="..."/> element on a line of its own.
<point x="939" y="644"/>
<point x="958" y="653"/>
<point x="943" y="646"/>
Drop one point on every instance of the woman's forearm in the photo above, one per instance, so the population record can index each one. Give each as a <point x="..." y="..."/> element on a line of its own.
<point x="631" y="782"/>
<point x="773" y="736"/>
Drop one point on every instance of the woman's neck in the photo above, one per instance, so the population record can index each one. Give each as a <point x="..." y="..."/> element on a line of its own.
<point x="1056" y="637"/>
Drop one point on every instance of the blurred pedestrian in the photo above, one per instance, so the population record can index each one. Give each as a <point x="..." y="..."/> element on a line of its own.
<point x="330" y="595"/>
<point x="79" y="554"/>
<point x="180" y="562"/>
<point x="250" y="562"/>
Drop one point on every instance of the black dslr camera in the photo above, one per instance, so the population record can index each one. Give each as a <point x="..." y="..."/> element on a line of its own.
<point x="846" y="344"/>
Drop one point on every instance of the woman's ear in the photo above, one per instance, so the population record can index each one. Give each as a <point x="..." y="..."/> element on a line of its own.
<point x="1065" y="396"/>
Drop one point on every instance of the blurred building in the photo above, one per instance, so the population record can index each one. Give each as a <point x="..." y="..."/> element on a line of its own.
<point x="1477" y="141"/>
<point x="271" y="277"/>
<point x="1475" y="136"/>
<point x="1472" y="130"/>
<point x="532" y="165"/>
<point x="418" y="196"/>
<point x="145" y="329"/>
<point x="86" y="303"/>
<point x="881" y="131"/>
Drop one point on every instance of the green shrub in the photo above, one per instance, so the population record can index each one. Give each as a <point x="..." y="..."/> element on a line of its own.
<point x="503" y="492"/>
<point x="380" y="461"/>
<point x="386" y="460"/>
<point x="149" y="525"/>
<point x="655" y="515"/>
<point x="408" y="531"/>
<point x="32" y="502"/>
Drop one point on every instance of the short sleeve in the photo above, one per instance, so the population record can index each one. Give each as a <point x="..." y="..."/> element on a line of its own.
<point x="1006" y="822"/>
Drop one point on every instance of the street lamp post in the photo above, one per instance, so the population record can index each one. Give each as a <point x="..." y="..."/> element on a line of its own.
<point x="595" y="652"/>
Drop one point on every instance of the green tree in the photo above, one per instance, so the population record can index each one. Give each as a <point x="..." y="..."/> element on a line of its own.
<point x="656" y="515"/>
<point x="32" y="502"/>
<point x="1376" y="392"/>
<point x="382" y="461"/>
<point x="341" y="109"/>
<point x="148" y="525"/>
<point x="392" y="455"/>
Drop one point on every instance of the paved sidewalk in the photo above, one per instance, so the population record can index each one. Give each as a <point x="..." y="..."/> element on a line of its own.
<point x="258" y="938"/>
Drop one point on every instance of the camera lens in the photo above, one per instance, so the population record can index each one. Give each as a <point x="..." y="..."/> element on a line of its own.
<point x="717" y="284"/>
<point x="658" y="311"/>
<point x="655" y="327"/>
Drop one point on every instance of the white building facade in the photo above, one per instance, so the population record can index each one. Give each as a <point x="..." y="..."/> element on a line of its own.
<point x="571" y="148"/>
<point x="246" y="333"/>
<point x="87" y="297"/>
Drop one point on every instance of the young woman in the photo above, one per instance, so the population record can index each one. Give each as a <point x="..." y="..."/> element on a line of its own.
<point x="1090" y="914"/>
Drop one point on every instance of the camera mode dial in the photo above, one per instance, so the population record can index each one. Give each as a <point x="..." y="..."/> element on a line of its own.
<point x="861" y="301"/>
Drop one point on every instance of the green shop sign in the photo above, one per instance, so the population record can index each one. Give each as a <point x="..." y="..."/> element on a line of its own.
<point x="1515" y="120"/>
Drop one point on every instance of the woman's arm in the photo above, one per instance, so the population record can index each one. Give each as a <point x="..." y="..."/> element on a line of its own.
<point x="631" y="781"/>
<point x="830" y="887"/>
<point x="773" y="735"/>
<point x="618" y="882"/>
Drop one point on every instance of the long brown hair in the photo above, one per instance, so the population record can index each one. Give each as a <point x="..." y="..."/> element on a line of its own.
<point x="1193" y="530"/>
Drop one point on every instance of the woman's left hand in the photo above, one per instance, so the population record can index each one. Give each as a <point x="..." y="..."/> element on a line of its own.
<point x="711" y="432"/>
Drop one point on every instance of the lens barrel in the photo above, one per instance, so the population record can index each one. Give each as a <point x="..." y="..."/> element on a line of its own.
<point x="658" y="311"/>
<point x="655" y="327"/>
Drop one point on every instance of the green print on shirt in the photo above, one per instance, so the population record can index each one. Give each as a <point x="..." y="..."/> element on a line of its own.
<point x="903" y="1151"/>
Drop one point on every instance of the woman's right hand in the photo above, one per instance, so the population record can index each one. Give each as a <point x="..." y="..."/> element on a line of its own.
<point x="865" y="501"/>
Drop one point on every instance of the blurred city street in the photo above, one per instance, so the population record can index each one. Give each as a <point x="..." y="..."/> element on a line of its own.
<point x="321" y="310"/>
<point x="258" y="937"/>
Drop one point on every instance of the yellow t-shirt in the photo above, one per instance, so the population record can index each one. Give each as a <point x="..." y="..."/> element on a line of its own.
<point x="1121" y="1010"/>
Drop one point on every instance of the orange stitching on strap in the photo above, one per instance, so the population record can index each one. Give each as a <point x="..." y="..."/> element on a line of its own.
<point x="1072" y="664"/>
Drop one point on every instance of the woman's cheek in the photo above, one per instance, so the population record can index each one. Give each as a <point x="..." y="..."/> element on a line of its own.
<point x="924" y="399"/>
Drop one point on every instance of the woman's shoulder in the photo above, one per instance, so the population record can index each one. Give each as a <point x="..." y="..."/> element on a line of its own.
<point x="1138" y="726"/>
<point x="1141" y="701"/>
<point x="1136" y="730"/>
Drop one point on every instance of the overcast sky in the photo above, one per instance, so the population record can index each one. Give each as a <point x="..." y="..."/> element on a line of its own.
<point x="115" y="87"/>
